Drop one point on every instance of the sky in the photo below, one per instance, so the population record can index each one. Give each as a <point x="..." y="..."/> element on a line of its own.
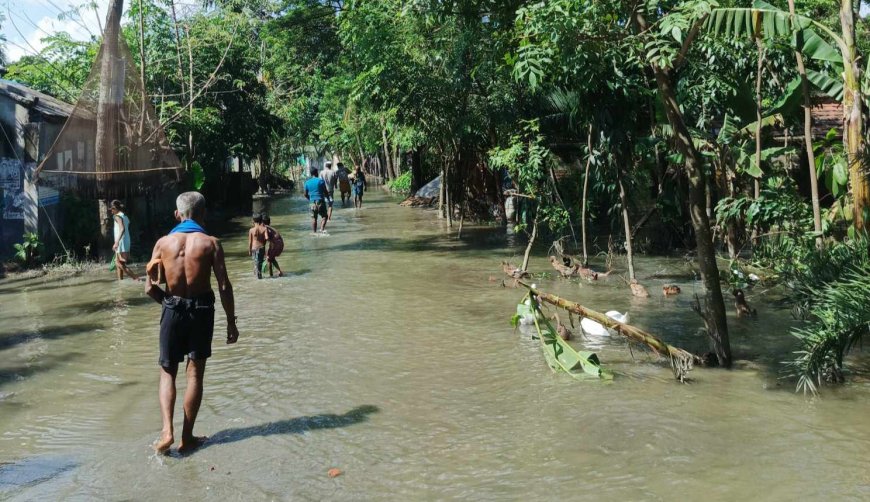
<point x="34" y="19"/>
<point x="27" y="21"/>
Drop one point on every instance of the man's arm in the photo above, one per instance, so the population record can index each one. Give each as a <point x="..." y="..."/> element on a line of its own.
<point x="226" y="291"/>
<point x="250" y="242"/>
<point x="152" y="277"/>
<point x="306" y="193"/>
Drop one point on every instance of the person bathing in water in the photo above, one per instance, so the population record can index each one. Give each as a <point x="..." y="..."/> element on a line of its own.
<point x="315" y="190"/>
<point x="185" y="259"/>
<point x="257" y="244"/>
<point x="121" y="247"/>
<point x="276" y="245"/>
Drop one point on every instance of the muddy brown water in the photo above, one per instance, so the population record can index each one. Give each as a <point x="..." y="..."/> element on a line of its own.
<point x="387" y="353"/>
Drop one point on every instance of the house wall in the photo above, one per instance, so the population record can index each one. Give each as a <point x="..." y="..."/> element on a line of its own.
<point x="24" y="139"/>
<point x="13" y="199"/>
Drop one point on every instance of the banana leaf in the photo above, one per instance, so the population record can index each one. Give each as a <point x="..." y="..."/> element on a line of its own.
<point x="560" y="356"/>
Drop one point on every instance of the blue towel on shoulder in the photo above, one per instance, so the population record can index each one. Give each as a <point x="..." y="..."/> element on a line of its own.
<point x="187" y="227"/>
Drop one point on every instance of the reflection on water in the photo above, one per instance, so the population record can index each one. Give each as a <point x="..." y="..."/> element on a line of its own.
<point x="387" y="352"/>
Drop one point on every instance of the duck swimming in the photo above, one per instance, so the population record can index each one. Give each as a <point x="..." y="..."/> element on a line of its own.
<point x="670" y="289"/>
<point x="595" y="328"/>
<point x="743" y="308"/>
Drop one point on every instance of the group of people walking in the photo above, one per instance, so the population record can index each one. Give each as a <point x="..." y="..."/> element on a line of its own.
<point x="320" y="190"/>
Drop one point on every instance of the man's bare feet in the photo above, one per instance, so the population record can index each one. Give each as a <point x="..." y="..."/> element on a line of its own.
<point x="280" y="274"/>
<point x="191" y="443"/>
<point x="162" y="445"/>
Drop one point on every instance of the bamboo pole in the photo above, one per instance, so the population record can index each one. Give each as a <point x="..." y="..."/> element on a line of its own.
<point x="682" y="361"/>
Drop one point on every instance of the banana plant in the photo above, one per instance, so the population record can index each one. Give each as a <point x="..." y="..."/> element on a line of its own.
<point x="766" y="21"/>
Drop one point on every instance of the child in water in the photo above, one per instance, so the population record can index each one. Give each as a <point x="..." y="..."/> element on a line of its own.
<point x="257" y="244"/>
<point x="276" y="245"/>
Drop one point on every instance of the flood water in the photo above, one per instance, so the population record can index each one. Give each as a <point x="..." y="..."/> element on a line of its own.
<point x="387" y="353"/>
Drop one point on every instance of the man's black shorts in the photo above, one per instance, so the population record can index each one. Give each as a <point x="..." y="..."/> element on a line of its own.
<point x="186" y="328"/>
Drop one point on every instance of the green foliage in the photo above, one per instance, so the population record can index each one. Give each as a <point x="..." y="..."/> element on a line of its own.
<point x="198" y="175"/>
<point x="528" y="162"/>
<point x="805" y="271"/>
<point x="60" y="69"/>
<point x="27" y="251"/>
<point x="402" y="184"/>
<point x="831" y="164"/>
<point x="840" y="320"/>
<point x="778" y="209"/>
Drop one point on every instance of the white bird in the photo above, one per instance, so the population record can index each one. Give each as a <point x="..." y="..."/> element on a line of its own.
<point x="528" y="319"/>
<point x="594" y="328"/>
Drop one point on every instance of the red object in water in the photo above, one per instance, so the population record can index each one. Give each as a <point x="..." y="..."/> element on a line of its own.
<point x="334" y="472"/>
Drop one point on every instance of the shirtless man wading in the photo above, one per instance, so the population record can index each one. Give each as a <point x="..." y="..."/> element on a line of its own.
<point x="184" y="259"/>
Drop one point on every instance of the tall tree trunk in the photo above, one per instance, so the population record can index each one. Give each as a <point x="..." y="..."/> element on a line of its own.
<point x="759" y="72"/>
<point x="756" y="181"/>
<point x="808" y="137"/>
<point x="110" y="97"/>
<point x="714" y="313"/>
<point x="585" y="192"/>
<point x="387" y="153"/>
<point x="142" y="68"/>
<point x="441" y="197"/>
<point x="417" y="180"/>
<point x="623" y="200"/>
<point x="448" y="194"/>
<point x="178" y="55"/>
<point x="190" y="86"/>
<point x="853" y="121"/>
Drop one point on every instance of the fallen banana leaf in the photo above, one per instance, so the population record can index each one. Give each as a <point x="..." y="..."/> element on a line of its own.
<point x="559" y="354"/>
<point x="682" y="361"/>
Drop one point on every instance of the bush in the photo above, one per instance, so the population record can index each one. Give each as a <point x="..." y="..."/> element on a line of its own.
<point x="27" y="252"/>
<point x="804" y="270"/>
<point x="840" y="319"/>
<point x="402" y="184"/>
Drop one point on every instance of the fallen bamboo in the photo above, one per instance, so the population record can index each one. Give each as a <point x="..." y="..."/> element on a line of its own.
<point x="682" y="361"/>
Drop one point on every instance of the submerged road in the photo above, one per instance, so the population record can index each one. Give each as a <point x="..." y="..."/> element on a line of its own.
<point x="387" y="353"/>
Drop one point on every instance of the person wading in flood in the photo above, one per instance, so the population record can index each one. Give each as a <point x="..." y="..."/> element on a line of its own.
<point x="257" y="244"/>
<point x="343" y="183"/>
<point x="359" y="186"/>
<point x="276" y="245"/>
<point x="328" y="175"/>
<point x="185" y="259"/>
<point x="121" y="247"/>
<point x="315" y="189"/>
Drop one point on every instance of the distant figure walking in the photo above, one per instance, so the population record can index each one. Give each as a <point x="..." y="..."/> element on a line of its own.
<point x="121" y="247"/>
<point x="315" y="191"/>
<point x="330" y="178"/>
<point x="185" y="259"/>
<point x="359" y="186"/>
<point x="276" y="245"/>
<point x="257" y="244"/>
<point x="343" y="183"/>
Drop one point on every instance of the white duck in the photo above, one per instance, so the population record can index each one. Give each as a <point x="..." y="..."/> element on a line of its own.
<point x="529" y="319"/>
<point x="594" y="328"/>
